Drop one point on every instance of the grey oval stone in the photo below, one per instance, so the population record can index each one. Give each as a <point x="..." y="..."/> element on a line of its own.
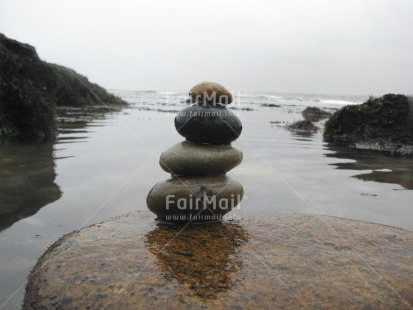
<point x="198" y="199"/>
<point x="189" y="158"/>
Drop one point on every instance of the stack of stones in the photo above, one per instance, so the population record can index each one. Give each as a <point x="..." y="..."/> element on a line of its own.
<point x="199" y="190"/>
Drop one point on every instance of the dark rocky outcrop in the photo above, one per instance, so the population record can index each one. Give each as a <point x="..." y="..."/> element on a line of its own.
<point x="27" y="99"/>
<point x="314" y="114"/>
<point x="270" y="105"/>
<point x="305" y="129"/>
<point x="76" y="90"/>
<point x="303" y="126"/>
<point x="30" y="89"/>
<point x="384" y="120"/>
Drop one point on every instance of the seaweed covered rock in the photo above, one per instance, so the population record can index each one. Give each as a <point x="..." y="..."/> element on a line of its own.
<point x="388" y="119"/>
<point x="30" y="89"/>
<point x="314" y="114"/>
<point x="303" y="126"/>
<point x="27" y="100"/>
<point x="76" y="90"/>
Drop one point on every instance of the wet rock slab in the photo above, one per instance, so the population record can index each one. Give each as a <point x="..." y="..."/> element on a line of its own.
<point x="260" y="261"/>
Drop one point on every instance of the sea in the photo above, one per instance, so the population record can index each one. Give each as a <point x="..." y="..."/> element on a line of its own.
<point x="105" y="161"/>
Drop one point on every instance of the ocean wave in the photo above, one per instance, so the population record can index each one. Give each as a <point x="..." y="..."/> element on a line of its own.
<point x="338" y="102"/>
<point x="246" y="100"/>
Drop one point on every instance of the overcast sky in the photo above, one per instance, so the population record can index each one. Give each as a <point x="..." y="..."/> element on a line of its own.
<point x="311" y="46"/>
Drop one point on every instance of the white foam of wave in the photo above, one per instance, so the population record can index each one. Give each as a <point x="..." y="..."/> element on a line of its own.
<point x="338" y="102"/>
<point x="242" y="100"/>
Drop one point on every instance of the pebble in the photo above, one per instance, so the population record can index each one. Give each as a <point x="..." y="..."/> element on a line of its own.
<point x="210" y="93"/>
<point x="199" y="199"/>
<point x="188" y="158"/>
<point x="208" y="124"/>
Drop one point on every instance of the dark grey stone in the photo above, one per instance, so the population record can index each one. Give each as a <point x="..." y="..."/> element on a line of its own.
<point x="208" y="124"/>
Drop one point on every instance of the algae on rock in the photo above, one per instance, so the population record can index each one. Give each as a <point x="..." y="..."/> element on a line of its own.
<point x="30" y="90"/>
<point x="387" y="120"/>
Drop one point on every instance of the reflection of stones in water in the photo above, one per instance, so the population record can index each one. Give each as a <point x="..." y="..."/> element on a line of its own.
<point x="200" y="257"/>
<point x="386" y="168"/>
<point x="26" y="181"/>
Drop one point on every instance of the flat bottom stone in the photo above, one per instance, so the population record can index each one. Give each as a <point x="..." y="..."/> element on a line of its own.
<point x="258" y="261"/>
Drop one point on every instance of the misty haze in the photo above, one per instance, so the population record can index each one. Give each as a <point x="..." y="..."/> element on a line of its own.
<point x="206" y="154"/>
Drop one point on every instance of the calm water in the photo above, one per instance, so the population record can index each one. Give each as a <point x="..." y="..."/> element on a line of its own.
<point x="103" y="165"/>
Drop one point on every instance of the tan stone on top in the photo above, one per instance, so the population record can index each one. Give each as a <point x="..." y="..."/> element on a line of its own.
<point x="209" y="92"/>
